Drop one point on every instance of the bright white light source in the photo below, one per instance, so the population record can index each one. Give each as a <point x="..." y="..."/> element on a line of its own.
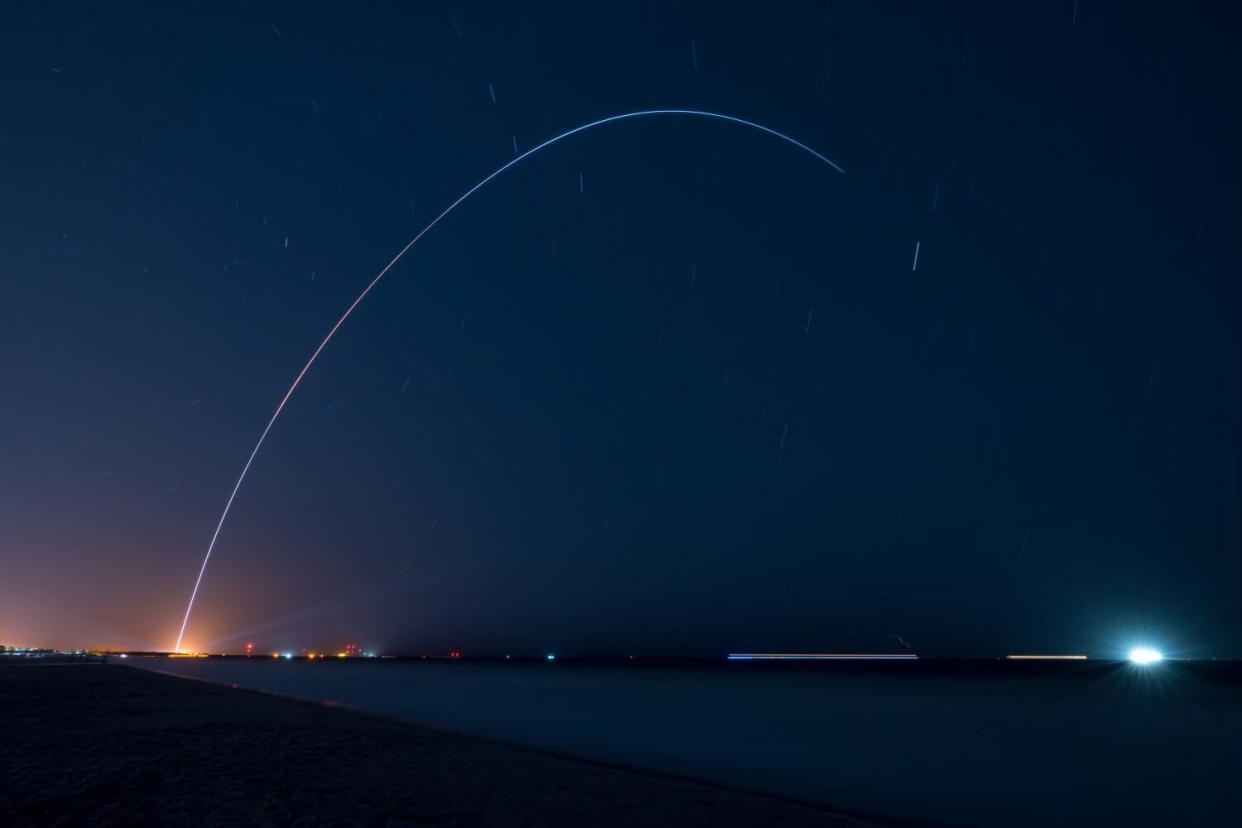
<point x="1145" y="655"/>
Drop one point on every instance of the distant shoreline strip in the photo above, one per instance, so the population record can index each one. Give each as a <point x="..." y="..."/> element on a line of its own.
<point x="1045" y="658"/>
<point x="821" y="657"/>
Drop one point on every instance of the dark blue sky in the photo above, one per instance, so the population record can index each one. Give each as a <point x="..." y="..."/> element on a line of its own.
<point x="700" y="403"/>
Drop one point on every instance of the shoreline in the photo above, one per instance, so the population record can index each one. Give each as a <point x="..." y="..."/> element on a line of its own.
<point x="111" y="745"/>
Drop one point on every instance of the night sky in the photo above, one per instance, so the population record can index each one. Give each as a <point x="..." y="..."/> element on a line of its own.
<point x="671" y="386"/>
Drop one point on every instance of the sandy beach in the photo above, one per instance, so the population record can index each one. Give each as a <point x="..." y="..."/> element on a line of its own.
<point x="93" y="744"/>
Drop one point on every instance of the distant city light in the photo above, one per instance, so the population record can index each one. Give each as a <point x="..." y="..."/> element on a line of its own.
<point x="288" y="655"/>
<point x="1145" y="655"/>
<point x="551" y="656"/>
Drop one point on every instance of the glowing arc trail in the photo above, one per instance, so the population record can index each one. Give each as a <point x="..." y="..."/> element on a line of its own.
<point x="348" y="311"/>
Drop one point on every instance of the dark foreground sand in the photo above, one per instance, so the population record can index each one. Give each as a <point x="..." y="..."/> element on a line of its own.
<point x="92" y="744"/>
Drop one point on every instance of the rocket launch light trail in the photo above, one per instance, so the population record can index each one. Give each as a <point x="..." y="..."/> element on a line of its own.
<point x="349" y="310"/>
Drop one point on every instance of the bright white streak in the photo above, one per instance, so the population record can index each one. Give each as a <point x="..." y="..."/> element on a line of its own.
<point x="414" y="241"/>
<point x="821" y="657"/>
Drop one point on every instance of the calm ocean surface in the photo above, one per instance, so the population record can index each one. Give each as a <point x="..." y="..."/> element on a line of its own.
<point x="1105" y="745"/>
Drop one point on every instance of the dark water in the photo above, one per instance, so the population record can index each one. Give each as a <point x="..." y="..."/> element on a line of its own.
<point x="1089" y="745"/>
